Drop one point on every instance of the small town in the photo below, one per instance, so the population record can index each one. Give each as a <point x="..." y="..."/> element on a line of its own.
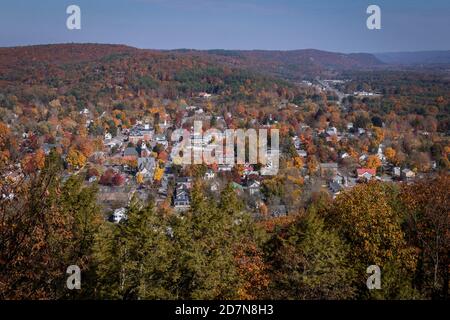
<point x="225" y="159"/>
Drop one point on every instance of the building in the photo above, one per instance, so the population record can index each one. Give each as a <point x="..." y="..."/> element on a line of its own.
<point x="407" y="174"/>
<point x="335" y="187"/>
<point x="161" y="139"/>
<point x="209" y="174"/>
<point x="366" y="173"/>
<point x="253" y="187"/>
<point x="119" y="215"/>
<point x="130" y="154"/>
<point x="185" y="181"/>
<point x="146" y="166"/>
<point x="302" y="153"/>
<point x="332" y="131"/>
<point x="181" y="200"/>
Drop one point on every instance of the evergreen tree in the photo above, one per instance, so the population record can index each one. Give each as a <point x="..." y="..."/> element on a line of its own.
<point x="205" y="240"/>
<point x="133" y="258"/>
<point x="307" y="261"/>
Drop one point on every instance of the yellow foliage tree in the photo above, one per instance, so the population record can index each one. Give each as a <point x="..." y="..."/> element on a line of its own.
<point x="159" y="172"/>
<point x="75" y="158"/>
<point x="140" y="178"/>
<point x="298" y="162"/>
<point x="373" y="162"/>
<point x="390" y="154"/>
<point x="378" y="135"/>
<point x="373" y="227"/>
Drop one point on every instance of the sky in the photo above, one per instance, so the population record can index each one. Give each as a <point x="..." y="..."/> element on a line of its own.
<point x="332" y="25"/>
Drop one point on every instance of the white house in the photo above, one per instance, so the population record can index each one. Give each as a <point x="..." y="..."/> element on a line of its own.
<point x="332" y="131"/>
<point x="209" y="174"/>
<point x="119" y="215"/>
<point x="108" y="136"/>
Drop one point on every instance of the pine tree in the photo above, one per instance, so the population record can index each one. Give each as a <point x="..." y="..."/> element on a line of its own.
<point x="38" y="236"/>
<point x="205" y="240"/>
<point x="307" y="261"/>
<point x="133" y="258"/>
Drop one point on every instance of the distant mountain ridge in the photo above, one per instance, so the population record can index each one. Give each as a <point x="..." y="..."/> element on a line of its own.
<point x="292" y="65"/>
<point x="295" y="64"/>
<point x="415" y="58"/>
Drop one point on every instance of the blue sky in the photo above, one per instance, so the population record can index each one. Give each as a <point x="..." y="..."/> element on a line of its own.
<point x="334" y="25"/>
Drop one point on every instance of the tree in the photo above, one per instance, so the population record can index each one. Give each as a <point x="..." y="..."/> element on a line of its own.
<point x="390" y="154"/>
<point x="107" y="177"/>
<point x="373" y="162"/>
<point x="204" y="241"/>
<point x="75" y="158"/>
<point x="369" y="217"/>
<point x="133" y="258"/>
<point x="428" y="229"/>
<point x="307" y="261"/>
<point x="298" y="162"/>
<point x="118" y="180"/>
<point x="46" y="227"/>
<point x="139" y="178"/>
<point x="159" y="172"/>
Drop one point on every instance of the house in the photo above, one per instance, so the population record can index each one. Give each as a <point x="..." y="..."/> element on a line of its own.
<point x="297" y="142"/>
<point x="278" y="211"/>
<point x="408" y="174"/>
<point x="332" y="131"/>
<point x="363" y="158"/>
<point x="108" y="136"/>
<point x="146" y="166"/>
<point x="339" y="178"/>
<point x="302" y="153"/>
<point x="366" y="173"/>
<point x="209" y="174"/>
<point x="328" y="169"/>
<point x="335" y="187"/>
<point x="165" y="122"/>
<point x="253" y="187"/>
<point x="396" y="171"/>
<point x="185" y="181"/>
<point x="84" y="111"/>
<point x="135" y="136"/>
<point x="161" y="139"/>
<point x="130" y="154"/>
<point x="141" y="132"/>
<point x="344" y="155"/>
<point x="145" y="152"/>
<point x="181" y="199"/>
<point x="119" y="215"/>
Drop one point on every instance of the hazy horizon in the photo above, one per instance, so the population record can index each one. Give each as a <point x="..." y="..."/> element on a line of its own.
<point x="221" y="49"/>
